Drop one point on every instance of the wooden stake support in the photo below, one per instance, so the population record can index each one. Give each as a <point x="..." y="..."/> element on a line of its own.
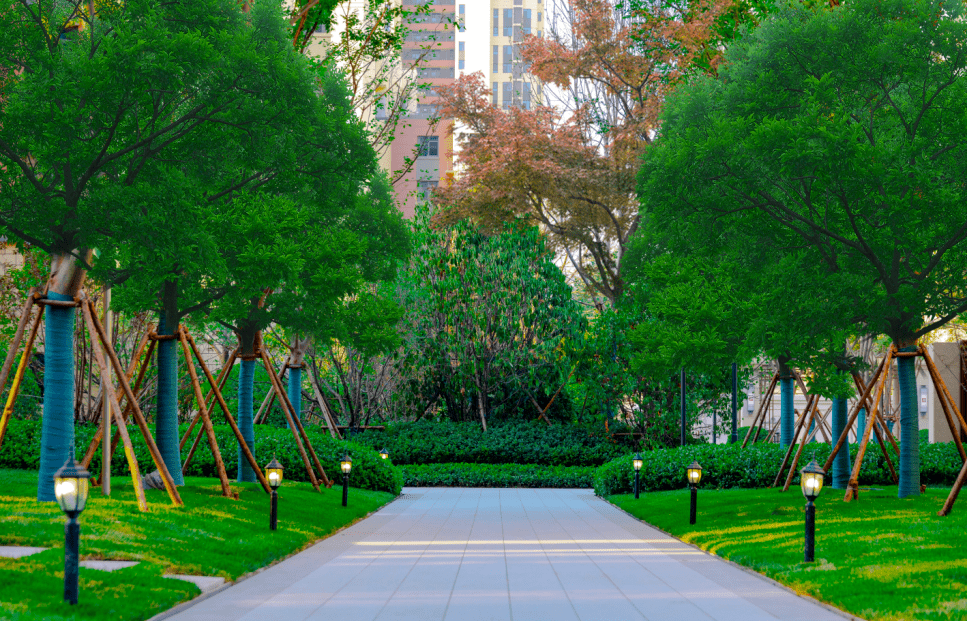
<point x="766" y="401"/>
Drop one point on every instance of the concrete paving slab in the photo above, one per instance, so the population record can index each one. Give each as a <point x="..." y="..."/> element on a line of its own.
<point x="107" y="565"/>
<point x="205" y="583"/>
<point x="508" y="554"/>
<point x="19" y="551"/>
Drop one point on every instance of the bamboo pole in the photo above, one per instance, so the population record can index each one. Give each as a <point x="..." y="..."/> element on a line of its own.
<point x="765" y="400"/>
<point x="856" y="409"/>
<point x="270" y="396"/>
<point x="228" y="416"/>
<point x="886" y="454"/>
<point x="324" y="407"/>
<point x="139" y="419"/>
<point x="853" y="484"/>
<point x="17" y="337"/>
<point x="880" y="429"/>
<point x="295" y="425"/>
<point x="946" y="411"/>
<point x="222" y="378"/>
<point x="767" y="406"/>
<point x="869" y="407"/>
<point x="795" y="462"/>
<point x="941" y="385"/>
<point x="206" y="421"/>
<point x="807" y="411"/>
<point x="112" y="401"/>
<point x="19" y="375"/>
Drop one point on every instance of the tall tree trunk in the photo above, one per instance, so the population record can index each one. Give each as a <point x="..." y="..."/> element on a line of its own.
<point x="787" y="411"/>
<point x="57" y="429"/>
<point x="909" y="428"/>
<point x="166" y="418"/>
<point x="841" y="469"/>
<point x="860" y="424"/>
<point x="295" y="391"/>
<point x="246" y="387"/>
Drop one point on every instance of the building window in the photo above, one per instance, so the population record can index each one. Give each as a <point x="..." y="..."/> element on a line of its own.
<point x="461" y="63"/>
<point x="538" y="16"/>
<point x="496" y="58"/>
<point x="496" y="22"/>
<point x="424" y="190"/>
<point x="463" y="16"/>
<point x="508" y="95"/>
<point x="493" y="96"/>
<point x="429" y="146"/>
<point x="508" y="58"/>
<point x="526" y="104"/>
<point x="526" y="22"/>
<point x="508" y="22"/>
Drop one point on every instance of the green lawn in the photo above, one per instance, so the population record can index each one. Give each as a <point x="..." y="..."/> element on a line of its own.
<point x="878" y="558"/>
<point x="211" y="535"/>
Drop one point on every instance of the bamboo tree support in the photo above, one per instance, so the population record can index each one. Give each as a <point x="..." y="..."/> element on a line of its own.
<point x="14" y="345"/>
<point x="246" y="451"/>
<point x="762" y="408"/>
<point x="807" y="413"/>
<point x="269" y="399"/>
<point x="767" y="406"/>
<point x="795" y="462"/>
<point x="941" y="387"/>
<point x="884" y="363"/>
<point x="91" y="317"/>
<point x="295" y="425"/>
<point x="324" y="408"/>
<point x="21" y="368"/>
<point x="206" y="421"/>
<point x="222" y="378"/>
<point x="852" y="488"/>
<point x="880" y="429"/>
<point x="113" y="403"/>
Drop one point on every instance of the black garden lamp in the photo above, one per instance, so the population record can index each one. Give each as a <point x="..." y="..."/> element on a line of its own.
<point x="694" y="472"/>
<point x="273" y="471"/>
<point x="346" y="465"/>
<point x="70" y="487"/>
<point x="811" y="481"/>
<point x="636" y="464"/>
<point x="384" y="454"/>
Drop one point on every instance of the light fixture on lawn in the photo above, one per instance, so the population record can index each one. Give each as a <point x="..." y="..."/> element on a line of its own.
<point x="636" y="463"/>
<point x="384" y="454"/>
<point x="273" y="471"/>
<point x="346" y="465"/>
<point x="70" y="488"/>
<point x="694" y="472"/>
<point x="811" y="481"/>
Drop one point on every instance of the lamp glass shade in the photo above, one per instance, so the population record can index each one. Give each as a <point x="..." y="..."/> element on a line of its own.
<point x="636" y="461"/>
<point x="71" y="486"/>
<point x="384" y="454"/>
<point x="811" y="480"/>
<point x="273" y="472"/>
<point x="346" y="465"/>
<point x="694" y="472"/>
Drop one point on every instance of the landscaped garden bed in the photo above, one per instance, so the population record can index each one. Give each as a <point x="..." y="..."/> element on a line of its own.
<point x="211" y="536"/>
<point x="880" y="558"/>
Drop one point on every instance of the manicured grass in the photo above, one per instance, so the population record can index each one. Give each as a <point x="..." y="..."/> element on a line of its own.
<point x="211" y="535"/>
<point x="878" y="558"/>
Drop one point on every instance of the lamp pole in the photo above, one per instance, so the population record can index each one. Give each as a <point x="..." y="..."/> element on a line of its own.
<point x="346" y="465"/>
<point x="735" y="403"/>
<point x="683" y="405"/>
<point x="70" y="488"/>
<point x="812" y="478"/>
<point x="810" y="531"/>
<point x="694" y="474"/>
<point x="274" y="473"/>
<point x="72" y="547"/>
<point x="693" y="509"/>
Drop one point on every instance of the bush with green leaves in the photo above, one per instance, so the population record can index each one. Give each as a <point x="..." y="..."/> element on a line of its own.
<point x="496" y="475"/>
<point x="21" y="448"/>
<point x="756" y="466"/>
<point x="439" y="442"/>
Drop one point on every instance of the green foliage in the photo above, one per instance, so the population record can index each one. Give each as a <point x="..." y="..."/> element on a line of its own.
<point x="730" y="466"/>
<point x="490" y="319"/>
<point x="496" y="475"/>
<point x="21" y="449"/>
<point x="441" y="442"/>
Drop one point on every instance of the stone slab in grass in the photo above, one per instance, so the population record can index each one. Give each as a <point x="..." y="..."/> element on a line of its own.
<point x="19" y="551"/>
<point x="205" y="583"/>
<point x="107" y="565"/>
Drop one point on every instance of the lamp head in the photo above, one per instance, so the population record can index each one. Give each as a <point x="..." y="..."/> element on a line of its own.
<point x="71" y="486"/>
<point x="694" y="472"/>
<point x="636" y="462"/>
<point x="811" y="480"/>
<point x="346" y="465"/>
<point x="273" y="471"/>
<point x="384" y="454"/>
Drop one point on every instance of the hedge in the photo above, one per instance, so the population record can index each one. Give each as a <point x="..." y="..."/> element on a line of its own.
<point x="496" y="475"/>
<point x="21" y="450"/>
<point x="441" y="442"/>
<point x="727" y="466"/>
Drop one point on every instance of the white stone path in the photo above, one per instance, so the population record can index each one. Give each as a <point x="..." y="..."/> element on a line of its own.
<point x="459" y="554"/>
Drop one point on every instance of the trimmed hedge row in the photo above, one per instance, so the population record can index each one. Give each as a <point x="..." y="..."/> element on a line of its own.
<point x="756" y="466"/>
<point x="445" y="442"/>
<point x="21" y="450"/>
<point x="496" y="475"/>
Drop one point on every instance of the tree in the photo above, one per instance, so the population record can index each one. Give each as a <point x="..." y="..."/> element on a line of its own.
<point x="492" y="319"/>
<point x="821" y="141"/>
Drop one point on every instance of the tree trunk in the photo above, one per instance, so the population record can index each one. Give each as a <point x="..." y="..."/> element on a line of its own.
<point x="166" y="418"/>
<point x="787" y="413"/>
<point x="57" y="428"/>
<point x="909" y="429"/>
<point x="246" y="420"/>
<point x="841" y="469"/>
<point x="295" y="391"/>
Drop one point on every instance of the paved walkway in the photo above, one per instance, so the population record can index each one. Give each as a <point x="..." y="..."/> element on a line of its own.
<point x="508" y="554"/>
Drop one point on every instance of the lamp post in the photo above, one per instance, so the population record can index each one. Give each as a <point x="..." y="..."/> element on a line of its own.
<point x="70" y="489"/>
<point x="811" y="482"/>
<point x="346" y="465"/>
<point x="274" y="472"/>
<point x="694" y="472"/>
<point x="384" y="454"/>
<point x="636" y="463"/>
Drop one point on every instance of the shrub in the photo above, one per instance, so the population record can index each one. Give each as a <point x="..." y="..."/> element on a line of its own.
<point x="496" y="475"/>
<point x="435" y="442"/>
<point x="21" y="450"/>
<point x="756" y="466"/>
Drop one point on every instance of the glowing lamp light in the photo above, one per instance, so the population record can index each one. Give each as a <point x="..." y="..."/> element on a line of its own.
<point x="346" y="465"/>
<point x="637" y="462"/>
<point x="71" y="487"/>
<point x="694" y="472"/>
<point x="384" y="454"/>
<point x="811" y="481"/>
<point x="273" y="471"/>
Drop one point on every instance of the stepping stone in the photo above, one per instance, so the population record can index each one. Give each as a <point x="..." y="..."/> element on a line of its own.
<point x="19" y="551"/>
<point x="107" y="565"/>
<point x="205" y="583"/>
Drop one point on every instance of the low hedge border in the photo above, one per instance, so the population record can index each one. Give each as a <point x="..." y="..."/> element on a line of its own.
<point x="728" y="466"/>
<point x="496" y="475"/>
<point x="21" y="450"/>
